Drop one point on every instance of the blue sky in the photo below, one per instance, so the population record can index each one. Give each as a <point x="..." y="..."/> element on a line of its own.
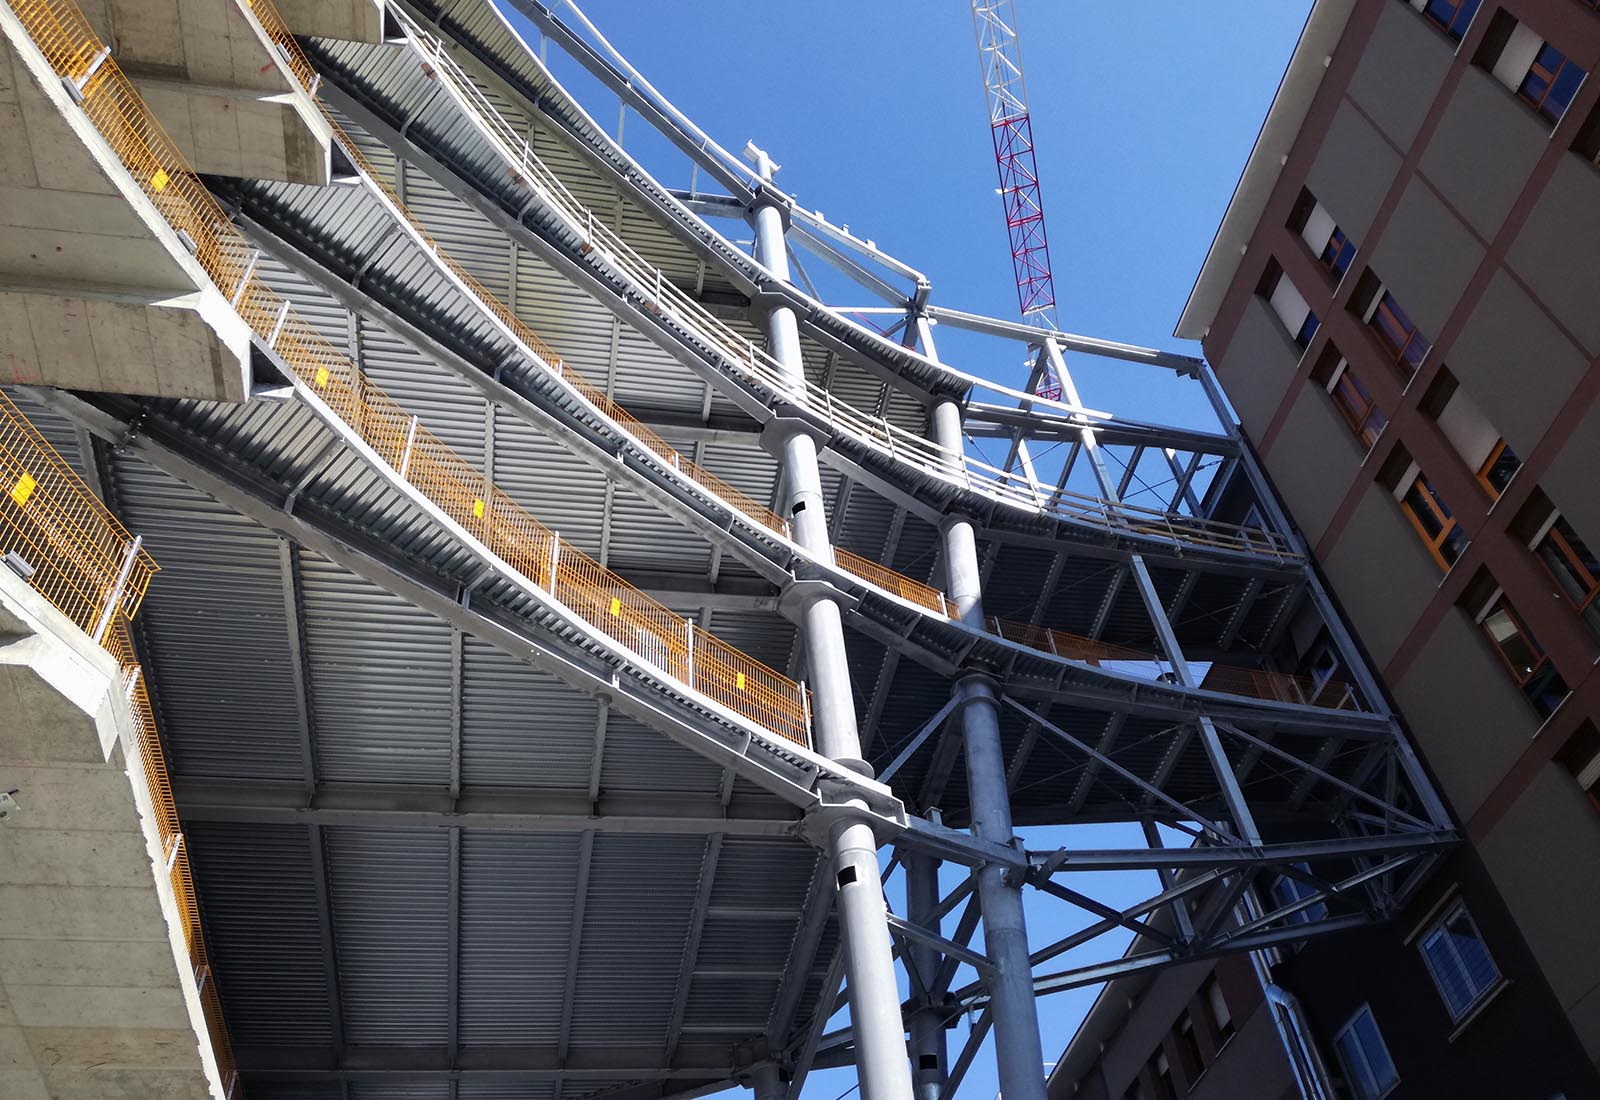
<point x="1143" y="116"/>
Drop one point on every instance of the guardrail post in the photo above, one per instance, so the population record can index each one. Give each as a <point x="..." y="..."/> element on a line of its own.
<point x="688" y="633"/>
<point x="114" y="597"/>
<point x="75" y="85"/>
<point x="405" y="455"/>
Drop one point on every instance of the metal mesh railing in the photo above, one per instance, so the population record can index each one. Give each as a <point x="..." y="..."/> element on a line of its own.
<point x="662" y="295"/>
<point x="174" y="849"/>
<point x="603" y="599"/>
<point x="81" y="560"/>
<point x="58" y="534"/>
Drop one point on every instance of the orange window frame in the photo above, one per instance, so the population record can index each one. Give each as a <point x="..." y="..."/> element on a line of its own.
<point x="1358" y="407"/>
<point x="1484" y="471"/>
<point x="1574" y="562"/>
<point x="1447" y="523"/>
<point x="1399" y="334"/>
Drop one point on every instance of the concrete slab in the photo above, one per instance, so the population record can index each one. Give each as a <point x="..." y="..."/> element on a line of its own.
<point x="346" y="20"/>
<point x="235" y="132"/>
<point x="97" y="994"/>
<point x="96" y="290"/>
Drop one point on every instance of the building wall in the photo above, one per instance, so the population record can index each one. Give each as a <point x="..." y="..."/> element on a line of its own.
<point x="1482" y="220"/>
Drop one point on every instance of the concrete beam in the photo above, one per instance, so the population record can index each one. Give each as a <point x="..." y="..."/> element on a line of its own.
<point x="151" y="342"/>
<point x="96" y="290"/>
<point x="346" y="20"/>
<point x="97" y="995"/>
<point x="225" y="131"/>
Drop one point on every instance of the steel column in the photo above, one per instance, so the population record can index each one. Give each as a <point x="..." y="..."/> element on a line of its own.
<point x="882" y="1065"/>
<point x="927" y="1028"/>
<point x="1019" y="1054"/>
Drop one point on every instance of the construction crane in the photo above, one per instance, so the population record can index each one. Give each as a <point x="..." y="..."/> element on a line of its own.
<point x="1000" y="54"/>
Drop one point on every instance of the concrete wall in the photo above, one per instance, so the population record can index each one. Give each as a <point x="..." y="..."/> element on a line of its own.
<point x="1426" y="256"/>
<point x="1258" y="366"/>
<point x="1313" y="460"/>
<point x="1381" y="572"/>
<point x="1473" y="732"/>
<point x="97" y="999"/>
<point x="1482" y="151"/>
<point x="1352" y="172"/>
<point x="1399" y="73"/>
<point x="1555" y="253"/>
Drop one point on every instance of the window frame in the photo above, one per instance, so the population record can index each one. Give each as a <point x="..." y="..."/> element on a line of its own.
<point x="1448" y="524"/>
<point x="1458" y="909"/>
<point x="1341" y="383"/>
<point x="1449" y="26"/>
<point x="1360" y="1091"/>
<point x="1388" y="306"/>
<point x="1543" y="670"/>
<point x="1588" y="603"/>
<point x="1549" y="76"/>
<point x="1484" y="471"/>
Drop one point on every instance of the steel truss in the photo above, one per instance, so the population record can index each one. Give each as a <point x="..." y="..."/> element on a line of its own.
<point x="1331" y="801"/>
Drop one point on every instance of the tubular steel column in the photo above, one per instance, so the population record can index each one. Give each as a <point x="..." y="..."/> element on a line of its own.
<point x="1019" y="1054"/>
<point x="882" y="1065"/>
<point x="927" y="1024"/>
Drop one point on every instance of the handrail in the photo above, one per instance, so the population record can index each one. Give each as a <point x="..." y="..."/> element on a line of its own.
<point x="1251" y="682"/>
<point x="69" y="545"/>
<point x="756" y="364"/>
<point x="599" y="597"/>
<point x="85" y="565"/>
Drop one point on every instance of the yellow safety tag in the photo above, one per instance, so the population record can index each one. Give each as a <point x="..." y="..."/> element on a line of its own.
<point x="739" y="683"/>
<point x="322" y="377"/>
<point x="23" y="489"/>
<point x="477" y="509"/>
<point x="616" y="605"/>
<point x="160" y="180"/>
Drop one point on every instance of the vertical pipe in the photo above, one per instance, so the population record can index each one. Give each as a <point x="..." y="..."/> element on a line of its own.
<point x="928" y="1053"/>
<point x="882" y="1066"/>
<point x="1019" y="1054"/>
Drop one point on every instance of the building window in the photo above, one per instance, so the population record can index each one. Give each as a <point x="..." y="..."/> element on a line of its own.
<point x="1439" y="530"/>
<point x="1574" y="567"/>
<point x="1332" y="247"/>
<point x="1221" y="1018"/>
<point x="1286" y="890"/>
<point x="1459" y="962"/>
<point x="1581" y="755"/>
<point x="1498" y="469"/>
<point x="1360" y="410"/>
<point x="1541" y="75"/>
<point x="1189" y="1048"/>
<point x="1452" y="16"/>
<point x="1526" y="660"/>
<point x="1367" y="1065"/>
<point x="1551" y="81"/>
<point x="1161" y="1074"/>
<point x="1289" y="304"/>
<point x="1399" y="334"/>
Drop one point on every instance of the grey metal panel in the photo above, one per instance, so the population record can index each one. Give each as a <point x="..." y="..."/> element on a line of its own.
<point x="1427" y="256"/>
<point x="1473" y="730"/>
<point x="1257" y="366"/>
<point x="1352" y="172"/>
<point x="520" y="727"/>
<point x="643" y="538"/>
<point x="214" y="631"/>
<point x="566" y="495"/>
<point x="380" y="677"/>
<point x="767" y="637"/>
<point x="1515" y="364"/>
<point x="1382" y="573"/>
<point x="636" y="921"/>
<point x="543" y="1088"/>
<point x="1400" y="72"/>
<point x="1314" y="462"/>
<point x="1483" y="150"/>
<point x="1554" y="253"/>
<point x="400" y="1090"/>
<point x="390" y="892"/>
<point x="639" y="759"/>
<point x="517" y="897"/>
<point x="263" y="931"/>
